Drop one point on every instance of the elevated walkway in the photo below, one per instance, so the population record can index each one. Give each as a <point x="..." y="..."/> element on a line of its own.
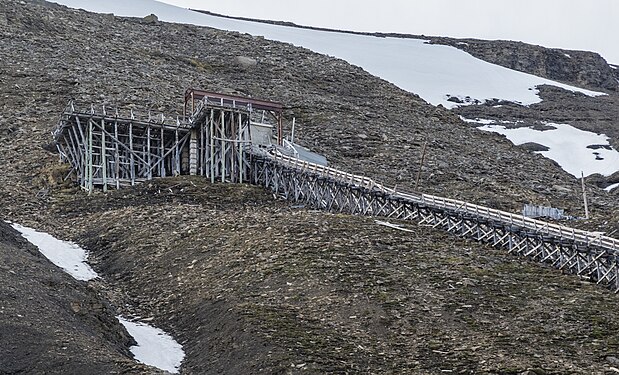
<point x="589" y="255"/>
<point x="228" y="138"/>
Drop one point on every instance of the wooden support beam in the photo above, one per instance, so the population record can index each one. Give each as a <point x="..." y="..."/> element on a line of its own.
<point x="116" y="157"/>
<point x="162" y="154"/>
<point x="90" y="159"/>
<point x="222" y="136"/>
<point x="103" y="159"/>
<point x="193" y="153"/>
<point x="149" y="155"/>
<point x="131" y="156"/>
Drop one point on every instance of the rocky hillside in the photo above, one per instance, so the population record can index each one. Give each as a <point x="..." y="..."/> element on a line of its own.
<point x="358" y="121"/>
<point x="579" y="68"/>
<point x="250" y="284"/>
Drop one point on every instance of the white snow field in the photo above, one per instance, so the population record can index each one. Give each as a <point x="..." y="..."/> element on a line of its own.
<point x="155" y="347"/>
<point x="567" y="146"/>
<point x="66" y="255"/>
<point x="566" y="24"/>
<point x="433" y="72"/>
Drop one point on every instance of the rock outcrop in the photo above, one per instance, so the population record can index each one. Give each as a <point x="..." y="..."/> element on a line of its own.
<point x="578" y="68"/>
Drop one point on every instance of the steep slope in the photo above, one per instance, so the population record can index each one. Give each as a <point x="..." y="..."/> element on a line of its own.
<point x="436" y="73"/>
<point x="315" y="290"/>
<point x="51" y="323"/>
<point x="358" y="121"/>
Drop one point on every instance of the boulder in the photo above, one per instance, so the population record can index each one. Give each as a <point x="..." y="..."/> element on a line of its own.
<point x="246" y="62"/>
<point x="151" y="19"/>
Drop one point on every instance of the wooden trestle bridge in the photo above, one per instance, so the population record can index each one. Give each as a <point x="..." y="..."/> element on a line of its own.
<point x="228" y="138"/>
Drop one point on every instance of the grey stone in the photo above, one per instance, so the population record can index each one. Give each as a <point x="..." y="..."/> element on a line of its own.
<point x="612" y="360"/>
<point x="532" y="146"/>
<point x="246" y="62"/>
<point x="580" y="68"/>
<point x="151" y="19"/>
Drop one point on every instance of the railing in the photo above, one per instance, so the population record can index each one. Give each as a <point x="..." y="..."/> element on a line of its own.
<point x="233" y="101"/>
<point x="585" y="237"/>
<point x="122" y="115"/>
<point x="539" y="226"/>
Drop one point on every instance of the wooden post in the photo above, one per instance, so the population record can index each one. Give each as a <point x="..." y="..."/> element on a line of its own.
<point x="85" y="159"/>
<point x="233" y="146"/>
<point x="584" y="194"/>
<point x="212" y="145"/>
<point x="202" y="149"/>
<point x="162" y="155"/>
<point x="192" y="104"/>
<point x="116" y="155"/>
<point x="193" y="153"/>
<point x="131" y="156"/>
<point x="177" y="163"/>
<point x="78" y="156"/>
<point x="280" y="130"/>
<point x="240" y="147"/>
<point x="89" y="157"/>
<point x="103" y="159"/>
<point x="222" y="129"/>
<point x="149" y="172"/>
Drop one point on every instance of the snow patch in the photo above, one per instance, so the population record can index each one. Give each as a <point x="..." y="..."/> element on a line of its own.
<point x="66" y="255"/>
<point x="568" y="146"/>
<point x="611" y="187"/>
<point x="434" y="72"/>
<point x="478" y="121"/>
<point x="155" y="347"/>
<point x="567" y="55"/>
<point x="483" y="121"/>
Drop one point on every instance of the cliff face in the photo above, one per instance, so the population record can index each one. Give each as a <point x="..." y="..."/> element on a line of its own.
<point x="579" y="68"/>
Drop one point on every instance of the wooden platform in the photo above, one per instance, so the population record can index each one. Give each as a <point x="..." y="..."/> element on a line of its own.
<point x="120" y="147"/>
